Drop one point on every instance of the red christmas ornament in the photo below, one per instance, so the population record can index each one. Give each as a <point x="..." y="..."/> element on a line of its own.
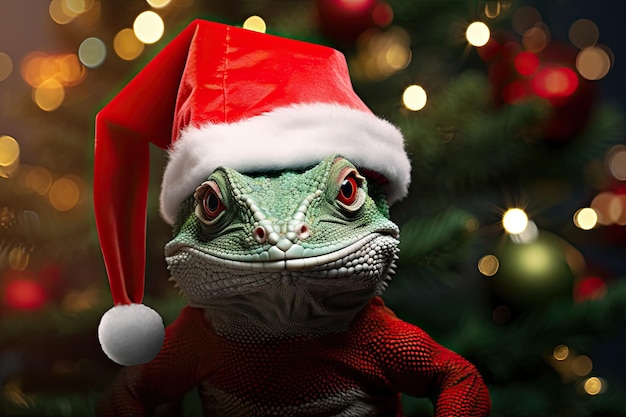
<point x="517" y="74"/>
<point x="344" y="20"/>
<point x="24" y="294"/>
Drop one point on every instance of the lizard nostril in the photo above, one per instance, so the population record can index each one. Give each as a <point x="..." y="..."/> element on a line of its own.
<point x="303" y="231"/>
<point x="260" y="235"/>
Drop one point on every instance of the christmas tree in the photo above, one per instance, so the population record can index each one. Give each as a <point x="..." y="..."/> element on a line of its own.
<point x="511" y="235"/>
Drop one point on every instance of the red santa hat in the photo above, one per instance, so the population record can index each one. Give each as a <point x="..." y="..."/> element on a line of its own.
<point x="218" y="95"/>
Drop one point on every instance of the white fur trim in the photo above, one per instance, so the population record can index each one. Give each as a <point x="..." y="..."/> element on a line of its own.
<point x="295" y="136"/>
<point x="131" y="334"/>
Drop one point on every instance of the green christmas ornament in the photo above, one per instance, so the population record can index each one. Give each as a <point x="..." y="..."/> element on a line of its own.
<point x="534" y="273"/>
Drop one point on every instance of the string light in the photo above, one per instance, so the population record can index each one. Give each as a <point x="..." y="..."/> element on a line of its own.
<point x="39" y="180"/>
<point x="59" y="12"/>
<point x="126" y="45"/>
<point x="6" y="66"/>
<point x="478" y="34"/>
<point x="536" y="38"/>
<point x="92" y="52"/>
<point x="255" y="23"/>
<point x="148" y="27"/>
<point x="608" y="207"/>
<point x="515" y="221"/>
<point x="593" y="385"/>
<point x="414" y="97"/>
<point x="488" y="265"/>
<point x="586" y="218"/>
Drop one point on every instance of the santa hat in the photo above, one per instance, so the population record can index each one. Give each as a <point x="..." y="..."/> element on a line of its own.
<point x="218" y="95"/>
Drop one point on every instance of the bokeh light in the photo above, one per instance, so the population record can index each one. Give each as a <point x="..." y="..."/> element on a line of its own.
<point x="501" y="315"/>
<point x="6" y="66"/>
<point x="555" y="82"/>
<point x="583" y="33"/>
<point x="414" y="97"/>
<point x="9" y="156"/>
<point x="64" y="194"/>
<point x="478" y="34"/>
<point x="594" y="385"/>
<point x="525" y="18"/>
<point x="582" y="365"/>
<point x="255" y="23"/>
<point x="515" y="221"/>
<point x="92" y="52"/>
<point x="78" y="6"/>
<point x="560" y="352"/>
<point x="38" y="67"/>
<point x="526" y="63"/>
<point x="586" y="218"/>
<point x="593" y="63"/>
<point x="39" y="180"/>
<point x="488" y="265"/>
<point x="528" y="235"/>
<point x="49" y="95"/>
<point x="492" y="9"/>
<point x="24" y="294"/>
<point x="126" y="44"/>
<point x="609" y="207"/>
<point x="158" y="4"/>
<point x="148" y="27"/>
<point x="616" y="162"/>
<point x="60" y="13"/>
<point x="536" y="38"/>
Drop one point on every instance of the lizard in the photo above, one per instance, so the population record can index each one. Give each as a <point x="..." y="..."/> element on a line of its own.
<point x="284" y="272"/>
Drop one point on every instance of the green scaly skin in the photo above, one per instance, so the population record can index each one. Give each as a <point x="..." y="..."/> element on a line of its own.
<point x="285" y="256"/>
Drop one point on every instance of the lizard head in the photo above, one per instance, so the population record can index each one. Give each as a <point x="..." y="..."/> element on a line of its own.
<point x="323" y="233"/>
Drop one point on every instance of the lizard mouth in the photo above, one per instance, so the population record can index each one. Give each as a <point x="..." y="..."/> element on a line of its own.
<point x="344" y="260"/>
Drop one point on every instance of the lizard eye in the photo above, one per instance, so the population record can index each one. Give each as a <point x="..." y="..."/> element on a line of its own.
<point x="209" y="200"/>
<point x="351" y="196"/>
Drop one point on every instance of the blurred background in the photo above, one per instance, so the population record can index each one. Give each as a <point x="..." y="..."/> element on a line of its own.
<point x="513" y="233"/>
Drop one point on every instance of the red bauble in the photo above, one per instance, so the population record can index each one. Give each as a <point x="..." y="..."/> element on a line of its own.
<point x="344" y="20"/>
<point x="517" y="75"/>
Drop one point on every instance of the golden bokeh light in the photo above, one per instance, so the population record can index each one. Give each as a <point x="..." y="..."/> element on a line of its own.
<point x="255" y="23"/>
<point x="92" y="52"/>
<point x="515" y="221"/>
<point x="608" y="206"/>
<point x="586" y="218"/>
<point x="9" y="156"/>
<point x="78" y="6"/>
<point x="158" y="4"/>
<point x="64" y="194"/>
<point x="593" y="63"/>
<point x="70" y="71"/>
<point x="583" y="33"/>
<point x="60" y="13"/>
<point x="593" y="385"/>
<point x="126" y="45"/>
<point x="49" y="95"/>
<point x="39" y="180"/>
<point x="398" y="57"/>
<point x="414" y="97"/>
<point x="148" y="27"/>
<point x="536" y="38"/>
<point x="478" y="34"/>
<point x="6" y="66"/>
<point x="560" y="353"/>
<point x="616" y="161"/>
<point x="582" y="365"/>
<point x="488" y="265"/>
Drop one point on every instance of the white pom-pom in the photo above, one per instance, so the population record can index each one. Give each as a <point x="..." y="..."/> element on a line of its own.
<point x="131" y="334"/>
